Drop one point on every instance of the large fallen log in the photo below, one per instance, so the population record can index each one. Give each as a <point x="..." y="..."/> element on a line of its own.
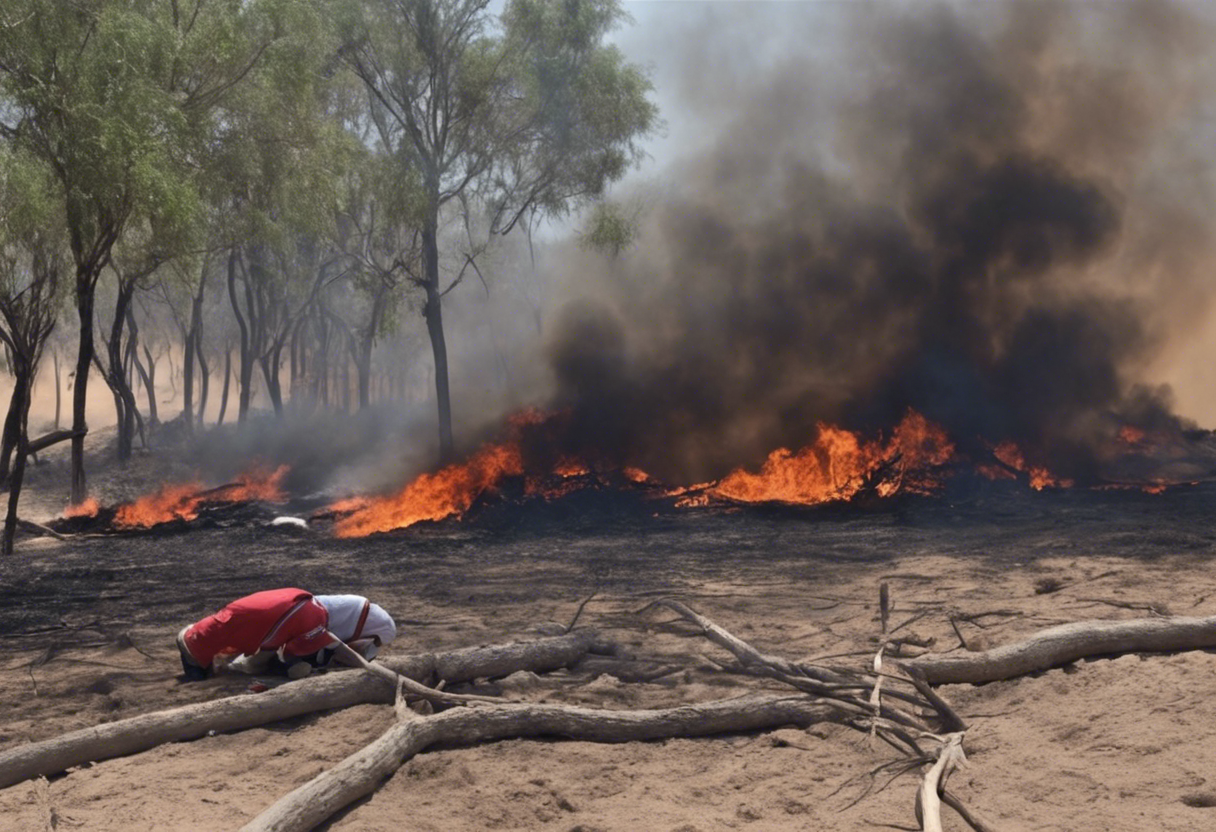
<point x="1066" y="643"/>
<point x="360" y="773"/>
<point x="327" y="692"/>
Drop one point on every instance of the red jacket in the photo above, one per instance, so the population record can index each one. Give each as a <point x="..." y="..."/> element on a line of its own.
<point x="277" y="618"/>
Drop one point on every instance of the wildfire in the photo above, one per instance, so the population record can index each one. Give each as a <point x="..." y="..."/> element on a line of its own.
<point x="183" y="501"/>
<point x="1130" y="435"/>
<point x="1011" y="455"/>
<point x="88" y="508"/>
<point x="447" y="492"/>
<point x="837" y="466"/>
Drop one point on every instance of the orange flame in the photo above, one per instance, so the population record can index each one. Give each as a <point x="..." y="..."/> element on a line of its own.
<point x="840" y="464"/>
<point x="170" y="502"/>
<point x="1130" y="435"/>
<point x="449" y="491"/>
<point x="88" y="508"/>
<point x="1039" y="477"/>
<point x="183" y="501"/>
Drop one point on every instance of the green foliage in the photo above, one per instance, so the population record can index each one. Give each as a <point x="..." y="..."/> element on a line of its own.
<point x="26" y="205"/>
<point x="528" y="113"/>
<point x="125" y="98"/>
<point x="610" y="229"/>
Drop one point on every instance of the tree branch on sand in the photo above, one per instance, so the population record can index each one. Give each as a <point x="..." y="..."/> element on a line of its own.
<point x="894" y="701"/>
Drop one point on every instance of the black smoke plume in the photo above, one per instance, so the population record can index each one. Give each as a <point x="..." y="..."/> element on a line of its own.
<point x="970" y="223"/>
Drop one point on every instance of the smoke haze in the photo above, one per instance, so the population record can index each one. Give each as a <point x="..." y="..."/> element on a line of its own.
<point x="995" y="214"/>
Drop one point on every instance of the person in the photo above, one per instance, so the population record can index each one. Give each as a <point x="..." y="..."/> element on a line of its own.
<point x="361" y="624"/>
<point x="286" y="629"/>
<point x="288" y="622"/>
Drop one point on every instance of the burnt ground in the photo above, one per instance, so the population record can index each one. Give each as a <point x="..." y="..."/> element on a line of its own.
<point x="86" y="629"/>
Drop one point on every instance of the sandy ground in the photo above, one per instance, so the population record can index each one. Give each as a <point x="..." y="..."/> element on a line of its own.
<point x="86" y="631"/>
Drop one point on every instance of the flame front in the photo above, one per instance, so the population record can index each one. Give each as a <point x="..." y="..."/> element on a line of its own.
<point x="1040" y="477"/>
<point x="183" y="501"/>
<point x="839" y="464"/>
<point x="88" y="508"/>
<point x="447" y="492"/>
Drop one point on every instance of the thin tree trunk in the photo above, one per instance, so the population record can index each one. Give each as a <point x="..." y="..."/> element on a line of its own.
<point x="21" y="399"/>
<point x="188" y="382"/>
<point x="150" y="385"/>
<point x="246" y="370"/>
<point x="204" y="377"/>
<point x="84" y="360"/>
<point x="8" y="441"/>
<point x="433" y="312"/>
<point x="227" y="377"/>
<point x="58" y="385"/>
<point x="115" y="375"/>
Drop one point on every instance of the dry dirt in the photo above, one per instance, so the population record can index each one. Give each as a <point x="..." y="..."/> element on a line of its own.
<point x="86" y="636"/>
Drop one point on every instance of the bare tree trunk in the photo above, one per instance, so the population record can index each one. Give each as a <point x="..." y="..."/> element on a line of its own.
<point x="246" y="370"/>
<point x="204" y="377"/>
<point x="149" y="377"/>
<point x="433" y="312"/>
<point x="147" y="383"/>
<point x="21" y="401"/>
<point x="332" y="690"/>
<point x="84" y="361"/>
<point x="227" y="378"/>
<point x="115" y="374"/>
<point x="58" y="385"/>
<point x="270" y="372"/>
<point x="8" y="441"/>
<point x="1066" y="643"/>
<point x="188" y="381"/>
<point x="358" y="775"/>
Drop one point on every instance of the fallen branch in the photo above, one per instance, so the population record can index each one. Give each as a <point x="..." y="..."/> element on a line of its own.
<point x="39" y="530"/>
<point x="404" y="683"/>
<point x="325" y="692"/>
<point x="53" y="438"/>
<point x="1063" y="644"/>
<point x="928" y="801"/>
<point x="359" y="774"/>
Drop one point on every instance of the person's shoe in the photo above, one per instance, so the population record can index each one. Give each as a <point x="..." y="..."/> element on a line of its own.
<point x="299" y="670"/>
<point x="193" y="671"/>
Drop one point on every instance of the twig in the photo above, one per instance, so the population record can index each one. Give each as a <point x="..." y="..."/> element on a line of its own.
<point x="884" y="613"/>
<point x="579" y="611"/>
<point x="911" y="620"/>
<point x="951" y="800"/>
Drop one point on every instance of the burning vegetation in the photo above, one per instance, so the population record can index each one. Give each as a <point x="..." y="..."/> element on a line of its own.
<point x="182" y="502"/>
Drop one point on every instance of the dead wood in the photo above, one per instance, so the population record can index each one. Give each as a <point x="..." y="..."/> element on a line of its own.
<point x="360" y="774"/>
<point x="39" y="530"/>
<point x="52" y="438"/>
<point x="332" y="690"/>
<point x="404" y="683"/>
<point x="1066" y="643"/>
<point x="950" y="756"/>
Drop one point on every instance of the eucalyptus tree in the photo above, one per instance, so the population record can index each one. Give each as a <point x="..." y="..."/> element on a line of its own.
<point x="515" y="117"/>
<point x="33" y="255"/>
<point x="115" y="96"/>
<point x="378" y="232"/>
<point x="276" y="165"/>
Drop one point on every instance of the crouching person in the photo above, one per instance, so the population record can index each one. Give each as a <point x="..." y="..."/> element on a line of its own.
<point x="287" y="624"/>
<point x="363" y="626"/>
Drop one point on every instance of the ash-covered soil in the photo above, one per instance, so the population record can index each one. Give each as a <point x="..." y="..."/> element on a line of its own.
<point x="87" y="625"/>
